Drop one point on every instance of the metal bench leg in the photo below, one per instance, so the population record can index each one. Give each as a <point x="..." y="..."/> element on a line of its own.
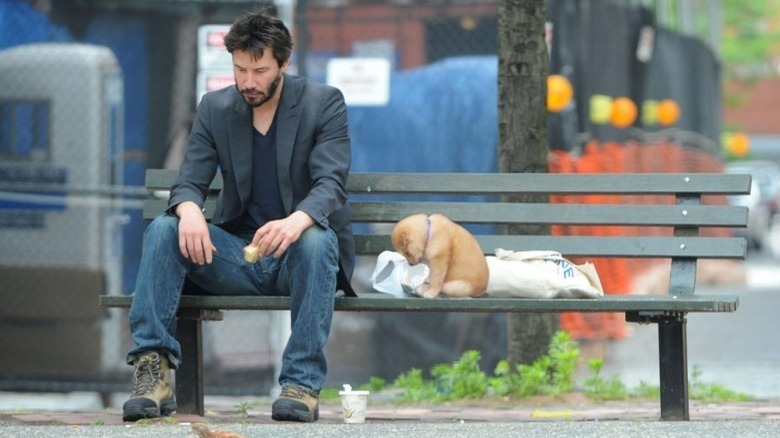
<point x="673" y="353"/>
<point x="189" y="375"/>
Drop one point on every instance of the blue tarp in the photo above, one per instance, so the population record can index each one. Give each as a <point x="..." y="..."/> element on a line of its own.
<point x="440" y="118"/>
<point x="127" y="37"/>
<point x="20" y="23"/>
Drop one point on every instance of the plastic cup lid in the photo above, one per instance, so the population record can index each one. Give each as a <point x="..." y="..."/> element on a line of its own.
<point x="353" y="392"/>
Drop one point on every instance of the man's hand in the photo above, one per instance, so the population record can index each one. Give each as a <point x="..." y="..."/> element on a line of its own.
<point x="276" y="236"/>
<point x="194" y="240"/>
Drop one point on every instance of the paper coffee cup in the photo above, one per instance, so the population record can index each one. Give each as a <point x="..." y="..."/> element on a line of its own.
<point x="353" y="404"/>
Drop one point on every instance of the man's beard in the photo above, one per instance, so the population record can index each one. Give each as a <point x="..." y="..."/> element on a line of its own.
<point x="264" y="97"/>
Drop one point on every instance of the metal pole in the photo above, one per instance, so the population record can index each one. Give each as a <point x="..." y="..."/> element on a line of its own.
<point x="662" y="12"/>
<point x="715" y="12"/>
<point x="687" y="19"/>
<point x="303" y="35"/>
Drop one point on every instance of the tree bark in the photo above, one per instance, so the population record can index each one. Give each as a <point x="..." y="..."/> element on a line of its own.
<point x="522" y="134"/>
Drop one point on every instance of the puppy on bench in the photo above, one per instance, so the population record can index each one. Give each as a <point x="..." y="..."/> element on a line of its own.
<point x="455" y="260"/>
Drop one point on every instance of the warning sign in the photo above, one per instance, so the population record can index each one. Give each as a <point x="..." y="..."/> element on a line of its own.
<point x="364" y="81"/>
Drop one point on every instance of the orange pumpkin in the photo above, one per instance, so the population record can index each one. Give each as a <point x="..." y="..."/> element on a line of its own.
<point x="739" y="145"/>
<point x="623" y="112"/>
<point x="559" y="93"/>
<point x="668" y="112"/>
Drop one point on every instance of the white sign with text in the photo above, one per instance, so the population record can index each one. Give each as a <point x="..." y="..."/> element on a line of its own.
<point x="364" y="81"/>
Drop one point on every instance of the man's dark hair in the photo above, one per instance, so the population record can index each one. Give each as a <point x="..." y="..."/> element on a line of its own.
<point x="255" y="32"/>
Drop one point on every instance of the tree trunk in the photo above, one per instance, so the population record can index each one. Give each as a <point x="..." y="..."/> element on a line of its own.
<point x="522" y="134"/>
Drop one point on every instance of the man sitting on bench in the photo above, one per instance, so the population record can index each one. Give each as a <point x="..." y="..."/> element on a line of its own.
<point x="282" y="146"/>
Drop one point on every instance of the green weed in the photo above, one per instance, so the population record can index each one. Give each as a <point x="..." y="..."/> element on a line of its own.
<point x="463" y="379"/>
<point x="375" y="384"/>
<point x="416" y="388"/>
<point x="329" y="393"/>
<point x="552" y="374"/>
<point x="243" y="409"/>
<point x="710" y="392"/>
<point x="646" y="390"/>
<point x="599" y="388"/>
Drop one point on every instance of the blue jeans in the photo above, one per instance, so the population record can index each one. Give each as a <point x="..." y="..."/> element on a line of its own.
<point x="306" y="272"/>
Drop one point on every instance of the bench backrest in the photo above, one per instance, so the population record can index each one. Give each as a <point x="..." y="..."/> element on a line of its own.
<point x="660" y="215"/>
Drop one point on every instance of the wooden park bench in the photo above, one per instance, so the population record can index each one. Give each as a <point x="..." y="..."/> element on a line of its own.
<point x="661" y="201"/>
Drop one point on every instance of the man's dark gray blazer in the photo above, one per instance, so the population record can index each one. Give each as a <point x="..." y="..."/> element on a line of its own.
<point x="313" y="159"/>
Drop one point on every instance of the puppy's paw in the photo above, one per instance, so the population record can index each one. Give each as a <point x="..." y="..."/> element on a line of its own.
<point x="426" y="291"/>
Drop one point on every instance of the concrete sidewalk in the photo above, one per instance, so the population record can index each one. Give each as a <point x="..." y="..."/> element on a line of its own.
<point x="574" y="416"/>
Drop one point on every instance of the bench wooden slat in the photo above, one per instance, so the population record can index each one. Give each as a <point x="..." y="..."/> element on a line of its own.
<point x="551" y="183"/>
<point x="373" y="301"/>
<point x="506" y="213"/>
<point x="562" y="214"/>
<point x="155" y="206"/>
<point x="519" y="183"/>
<point x="594" y="246"/>
<point x="163" y="179"/>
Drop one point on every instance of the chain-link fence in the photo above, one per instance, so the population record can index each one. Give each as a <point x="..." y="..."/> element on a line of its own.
<point x="85" y="106"/>
<point x="92" y="93"/>
<point x="61" y="123"/>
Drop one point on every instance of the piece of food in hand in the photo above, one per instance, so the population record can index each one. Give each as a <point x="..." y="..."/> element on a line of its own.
<point x="251" y="253"/>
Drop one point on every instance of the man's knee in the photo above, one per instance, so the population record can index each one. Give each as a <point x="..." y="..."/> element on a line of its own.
<point x="163" y="226"/>
<point x="317" y="240"/>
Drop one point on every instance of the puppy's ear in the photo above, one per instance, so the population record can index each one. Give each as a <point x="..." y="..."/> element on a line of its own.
<point x="403" y="238"/>
<point x="399" y="239"/>
<point x="407" y="240"/>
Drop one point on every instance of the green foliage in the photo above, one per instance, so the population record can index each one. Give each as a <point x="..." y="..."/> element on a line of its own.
<point x="375" y="384"/>
<point x="709" y="393"/>
<point x="243" y="409"/>
<point x="552" y="374"/>
<point x="747" y="39"/>
<point x="329" y="393"/>
<point x="601" y="389"/>
<point x="416" y="389"/>
<point x="532" y="379"/>
<point x="598" y="388"/>
<point x="564" y="354"/>
<point x="646" y="390"/>
<point x="503" y="381"/>
<point x="463" y="379"/>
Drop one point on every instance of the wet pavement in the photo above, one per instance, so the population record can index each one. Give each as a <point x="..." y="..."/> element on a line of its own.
<point x="543" y="417"/>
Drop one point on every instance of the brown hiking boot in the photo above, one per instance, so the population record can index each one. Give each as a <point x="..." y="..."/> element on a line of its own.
<point x="296" y="403"/>
<point x="152" y="394"/>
